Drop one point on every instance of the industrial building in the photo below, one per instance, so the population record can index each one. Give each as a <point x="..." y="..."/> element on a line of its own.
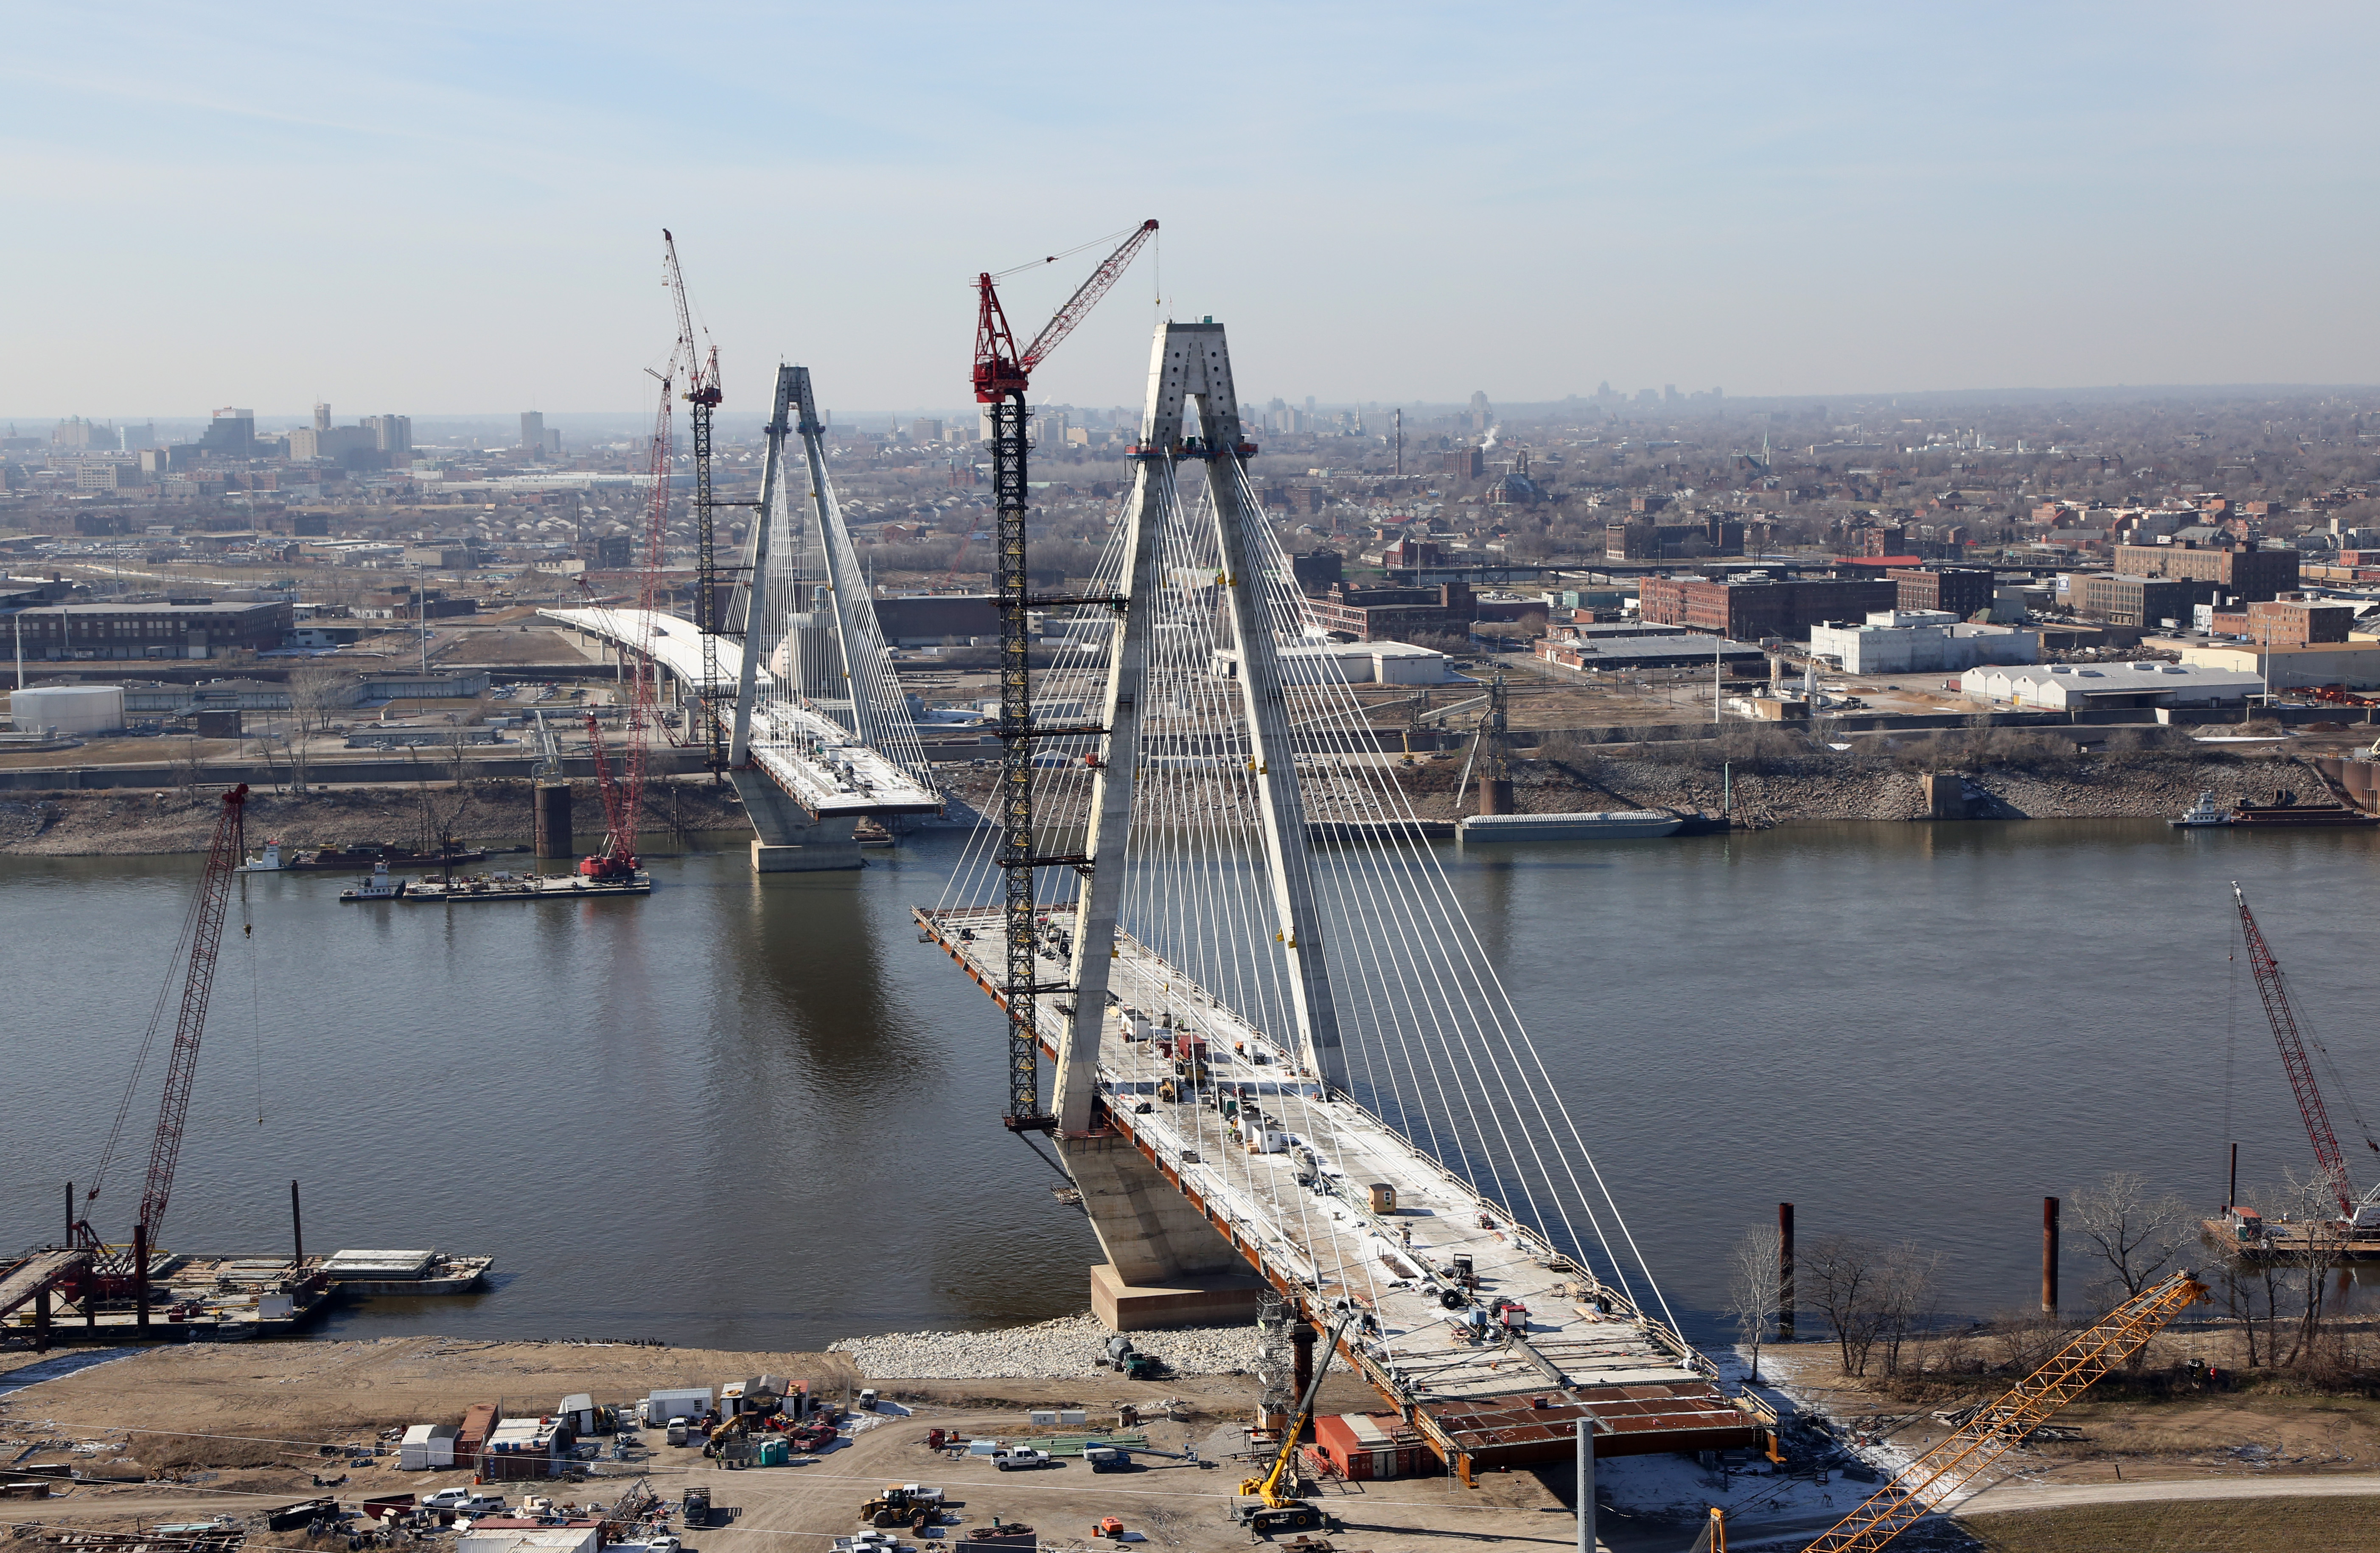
<point x="936" y="619"/>
<point x="1392" y="613"/>
<point x="2123" y="599"/>
<point x="177" y="628"/>
<point x="2095" y="687"/>
<point x="1964" y="591"/>
<point x="1757" y="606"/>
<point x="1678" y="649"/>
<point x="1352" y="662"/>
<point x="2291" y="620"/>
<point x="2242" y="572"/>
<point x="1918" y="641"/>
<point x="68" y="709"/>
<point x="1641" y="539"/>
<point x="2350" y="665"/>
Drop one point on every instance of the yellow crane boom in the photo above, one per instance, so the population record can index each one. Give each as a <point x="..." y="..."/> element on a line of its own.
<point x="1934" y="1478"/>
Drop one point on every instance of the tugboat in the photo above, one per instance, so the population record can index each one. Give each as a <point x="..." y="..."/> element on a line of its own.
<point x="382" y="886"/>
<point x="2206" y="811"/>
<point x="267" y="862"/>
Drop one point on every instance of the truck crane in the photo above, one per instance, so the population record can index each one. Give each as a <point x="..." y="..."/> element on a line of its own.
<point x="2330" y="1160"/>
<point x="1268" y="1504"/>
<point x="1002" y="373"/>
<point x="1953" y="1465"/>
<point x="195" y="952"/>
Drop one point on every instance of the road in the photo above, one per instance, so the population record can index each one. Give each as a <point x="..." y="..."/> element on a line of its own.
<point x="2015" y="1495"/>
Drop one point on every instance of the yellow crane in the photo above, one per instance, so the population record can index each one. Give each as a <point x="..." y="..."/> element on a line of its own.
<point x="1935" y="1478"/>
<point x="1266" y="1504"/>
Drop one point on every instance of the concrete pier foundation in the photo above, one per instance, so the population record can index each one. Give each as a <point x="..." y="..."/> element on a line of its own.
<point x="1168" y="1265"/>
<point x="788" y="841"/>
<point x="552" y="804"/>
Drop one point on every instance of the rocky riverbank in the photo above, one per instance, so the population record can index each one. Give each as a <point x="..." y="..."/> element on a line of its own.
<point x="1065" y="1348"/>
<point x="131" y="821"/>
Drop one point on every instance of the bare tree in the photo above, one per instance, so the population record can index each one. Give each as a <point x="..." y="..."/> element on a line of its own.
<point x="1753" y="1291"/>
<point x="1907" y="1297"/>
<point x="316" y="691"/>
<point x="1842" y="1272"/>
<point x="2119" y="1224"/>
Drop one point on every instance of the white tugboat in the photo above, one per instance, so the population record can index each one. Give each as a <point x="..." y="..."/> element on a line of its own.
<point x="382" y="886"/>
<point x="2206" y="811"/>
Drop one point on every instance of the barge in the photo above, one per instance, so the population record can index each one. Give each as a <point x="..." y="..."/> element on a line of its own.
<point x="53" y="1298"/>
<point x="504" y="886"/>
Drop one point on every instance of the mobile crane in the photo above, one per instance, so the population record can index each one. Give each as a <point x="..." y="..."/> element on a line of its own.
<point x="202" y="936"/>
<point x="1265" y="1505"/>
<point x="2356" y="1215"/>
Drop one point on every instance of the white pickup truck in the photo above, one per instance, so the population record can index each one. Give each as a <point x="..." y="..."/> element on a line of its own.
<point x="1019" y="1456"/>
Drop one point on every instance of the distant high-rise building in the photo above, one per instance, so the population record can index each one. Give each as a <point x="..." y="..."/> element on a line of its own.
<point x="533" y="430"/>
<point x="1309" y="407"/>
<point x="1669" y="393"/>
<point x="1481" y="411"/>
<point x="74" y="432"/>
<point x="322" y="417"/>
<point x="924" y="430"/>
<point x="392" y="434"/>
<point x="135" y="439"/>
<point x="231" y="434"/>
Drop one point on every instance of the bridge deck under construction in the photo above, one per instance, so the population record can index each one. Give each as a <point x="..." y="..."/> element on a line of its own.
<point x="1296" y="1202"/>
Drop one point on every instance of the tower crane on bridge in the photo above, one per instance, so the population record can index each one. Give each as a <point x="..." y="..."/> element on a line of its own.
<point x="2330" y="1160"/>
<point x="701" y="367"/>
<point x="1002" y="373"/>
<point x="195" y="952"/>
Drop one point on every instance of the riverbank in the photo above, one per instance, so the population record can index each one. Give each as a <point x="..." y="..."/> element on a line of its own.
<point x="485" y="813"/>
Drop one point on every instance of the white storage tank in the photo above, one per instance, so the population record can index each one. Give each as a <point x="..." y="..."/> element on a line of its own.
<point x="70" y="709"/>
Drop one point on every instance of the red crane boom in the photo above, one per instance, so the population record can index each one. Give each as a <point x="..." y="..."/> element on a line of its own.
<point x="1001" y="376"/>
<point x="2328" y="1157"/>
<point x="202" y="934"/>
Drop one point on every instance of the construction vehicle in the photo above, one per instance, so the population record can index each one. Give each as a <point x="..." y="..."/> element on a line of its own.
<point x="1109" y="1527"/>
<point x="1003" y="374"/>
<point x="202" y="936"/>
<point x="1947" y="1471"/>
<point x="694" y="1507"/>
<point x="902" y="1504"/>
<point x="1268" y="1504"/>
<point x="2358" y="1217"/>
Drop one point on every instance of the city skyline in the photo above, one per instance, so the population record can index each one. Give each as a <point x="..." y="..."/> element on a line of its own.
<point x="244" y="210"/>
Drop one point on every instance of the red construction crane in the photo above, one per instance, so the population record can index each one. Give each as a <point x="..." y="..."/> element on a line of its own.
<point x="1001" y="375"/>
<point x="624" y="794"/>
<point x="2329" y="1159"/>
<point x="201" y="934"/>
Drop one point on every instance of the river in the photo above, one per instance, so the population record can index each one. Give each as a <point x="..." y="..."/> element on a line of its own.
<point x="761" y="1114"/>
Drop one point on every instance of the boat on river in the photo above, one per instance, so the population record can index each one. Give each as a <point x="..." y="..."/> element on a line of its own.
<point x="2286" y="813"/>
<point x="1610" y="825"/>
<point x="504" y="886"/>
<point x="2204" y="812"/>
<point x="382" y="886"/>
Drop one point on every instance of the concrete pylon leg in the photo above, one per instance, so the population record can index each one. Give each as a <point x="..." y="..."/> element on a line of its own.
<point x="1168" y="1265"/>
<point x="786" y="840"/>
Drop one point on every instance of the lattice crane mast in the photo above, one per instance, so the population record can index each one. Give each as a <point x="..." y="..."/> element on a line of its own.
<point x="1002" y="373"/>
<point x="698" y="363"/>
<point x="2330" y="1160"/>
<point x="1939" y="1475"/>
<point x="195" y="951"/>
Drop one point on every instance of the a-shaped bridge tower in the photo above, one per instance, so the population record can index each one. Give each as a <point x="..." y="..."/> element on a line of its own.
<point x="1282" y="1055"/>
<point x="822" y="736"/>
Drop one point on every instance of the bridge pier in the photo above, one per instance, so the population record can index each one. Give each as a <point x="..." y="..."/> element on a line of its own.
<point x="1168" y="1265"/>
<point x="786" y="840"/>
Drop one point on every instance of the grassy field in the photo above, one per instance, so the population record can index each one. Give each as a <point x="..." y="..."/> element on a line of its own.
<point x="2329" y="1525"/>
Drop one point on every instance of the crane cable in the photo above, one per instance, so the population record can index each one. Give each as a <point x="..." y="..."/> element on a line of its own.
<point x="1112" y="239"/>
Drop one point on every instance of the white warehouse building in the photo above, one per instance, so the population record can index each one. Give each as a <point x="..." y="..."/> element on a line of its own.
<point x="2080" y="687"/>
<point x="1916" y="641"/>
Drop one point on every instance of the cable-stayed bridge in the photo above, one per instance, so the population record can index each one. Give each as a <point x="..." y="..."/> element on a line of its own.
<point x="1284" y="1064"/>
<point x="824" y="737"/>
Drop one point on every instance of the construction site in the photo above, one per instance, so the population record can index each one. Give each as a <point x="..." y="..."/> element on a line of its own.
<point x="1243" y="1009"/>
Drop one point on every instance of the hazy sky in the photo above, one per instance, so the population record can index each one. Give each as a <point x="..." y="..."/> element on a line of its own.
<point x="436" y="208"/>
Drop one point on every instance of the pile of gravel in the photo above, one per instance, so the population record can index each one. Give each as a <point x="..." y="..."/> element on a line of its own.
<point x="1062" y="1348"/>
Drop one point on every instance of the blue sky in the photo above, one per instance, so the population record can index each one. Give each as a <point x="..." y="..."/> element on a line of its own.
<point x="439" y="208"/>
